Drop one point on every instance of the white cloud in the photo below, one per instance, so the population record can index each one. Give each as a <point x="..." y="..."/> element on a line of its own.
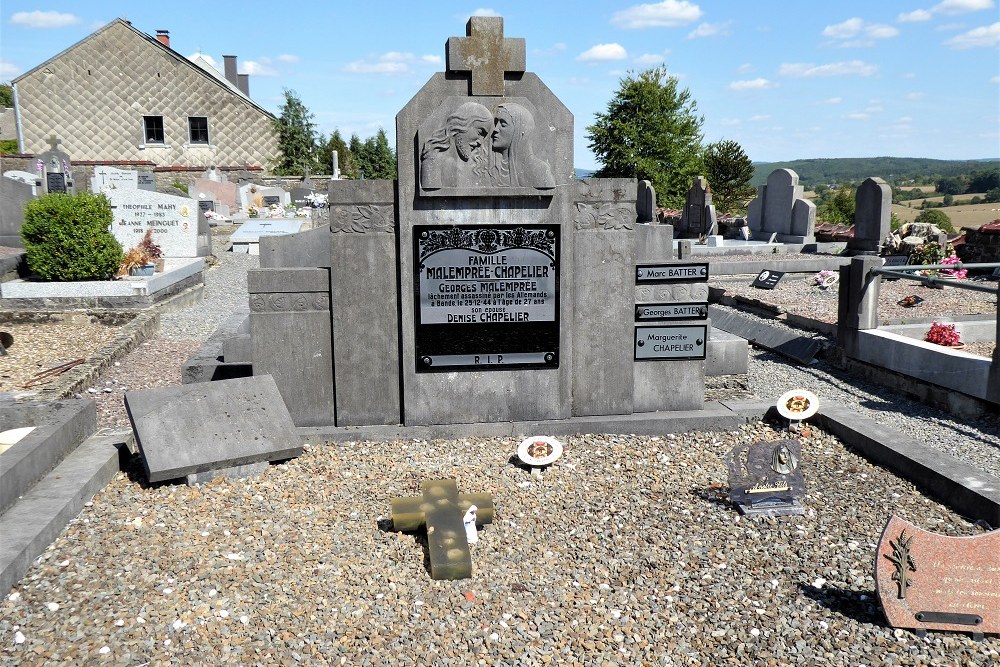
<point x="39" y="19"/>
<point x="915" y="96"/>
<point x="552" y="50"/>
<point x="258" y="68"/>
<point x="995" y="79"/>
<point x="985" y="36"/>
<point x="8" y="70"/>
<point x="909" y="75"/>
<point x="914" y="16"/>
<point x="759" y="118"/>
<point x="432" y="60"/>
<point x="744" y="68"/>
<point x="666" y="14"/>
<point x="751" y="84"/>
<point x="390" y="62"/>
<point x="711" y="30"/>
<point x="961" y="6"/>
<point x="832" y="100"/>
<point x="649" y="59"/>
<point x="874" y="108"/>
<point x="808" y="70"/>
<point x="602" y="52"/>
<point x="857" y="116"/>
<point x="729" y="121"/>
<point x="288" y="58"/>
<point x="484" y="11"/>
<point x="855" y="32"/>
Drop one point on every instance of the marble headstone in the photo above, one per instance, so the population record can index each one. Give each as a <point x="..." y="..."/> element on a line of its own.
<point x="107" y="178"/>
<point x="174" y="220"/>
<point x="872" y="217"/>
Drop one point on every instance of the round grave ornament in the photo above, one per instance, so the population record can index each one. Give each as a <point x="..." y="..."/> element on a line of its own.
<point x="798" y="404"/>
<point x="539" y="450"/>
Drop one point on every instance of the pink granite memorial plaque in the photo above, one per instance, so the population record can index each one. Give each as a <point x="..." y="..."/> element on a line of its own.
<point x="927" y="581"/>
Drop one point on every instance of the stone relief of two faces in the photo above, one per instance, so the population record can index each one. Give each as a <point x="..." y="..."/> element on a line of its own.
<point x="478" y="148"/>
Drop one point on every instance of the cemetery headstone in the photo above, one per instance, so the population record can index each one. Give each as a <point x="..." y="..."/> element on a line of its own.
<point x="781" y="210"/>
<point x="926" y="581"/>
<point x="768" y="279"/>
<point x="698" y="217"/>
<point x="15" y="192"/>
<point x="765" y="478"/>
<point x="872" y="212"/>
<point x="174" y="221"/>
<point x="645" y="205"/>
<point x="54" y="169"/>
<point x="221" y="191"/>
<point x="275" y="196"/>
<point x="25" y="177"/>
<point x="441" y="509"/>
<point x="894" y="260"/>
<point x="146" y="180"/>
<point x="212" y="426"/>
<point x="108" y="178"/>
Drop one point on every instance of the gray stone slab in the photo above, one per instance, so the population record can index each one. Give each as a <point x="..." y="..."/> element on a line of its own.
<point x="237" y="349"/>
<point x="800" y="348"/>
<point x="236" y="472"/>
<point x="962" y="487"/>
<point x="41" y="513"/>
<point x="309" y="248"/>
<point x="208" y="363"/>
<point x="252" y="230"/>
<point x="668" y="385"/>
<point x="14" y="195"/>
<point x="654" y="243"/>
<point x="726" y="354"/>
<point x="193" y="428"/>
<point x="292" y="339"/>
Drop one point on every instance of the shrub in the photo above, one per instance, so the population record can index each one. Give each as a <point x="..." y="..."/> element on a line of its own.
<point x="67" y="237"/>
<point x="938" y="218"/>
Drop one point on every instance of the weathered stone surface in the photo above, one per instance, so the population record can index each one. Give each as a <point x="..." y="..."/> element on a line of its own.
<point x="192" y="428"/>
<point x="929" y="581"/>
<point x="781" y="210"/>
<point x="872" y="211"/>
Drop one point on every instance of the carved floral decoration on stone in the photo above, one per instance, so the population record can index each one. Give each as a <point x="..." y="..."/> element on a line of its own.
<point x="604" y="215"/>
<point x="362" y="218"/>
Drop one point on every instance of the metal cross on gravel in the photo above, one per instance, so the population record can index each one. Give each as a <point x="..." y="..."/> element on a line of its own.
<point x="441" y="508"/>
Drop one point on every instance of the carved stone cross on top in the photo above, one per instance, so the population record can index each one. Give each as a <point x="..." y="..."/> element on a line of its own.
<point x="486" y="54"/>
<point x="441" y="508"/>
<point x="54" y="142"/>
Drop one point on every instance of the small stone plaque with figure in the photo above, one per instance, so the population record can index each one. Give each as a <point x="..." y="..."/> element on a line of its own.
<point x="768" y="279"/>
<point x="926" y="581"/>
<point x="765" y="478"/>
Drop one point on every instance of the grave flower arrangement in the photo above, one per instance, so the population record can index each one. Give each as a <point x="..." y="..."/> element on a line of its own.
<point x="943" y="334"/>
<point x="953" y="273"/>
<point x="135" y="259"/>
<point x="316" y="199"/>
<point x="825" y="279"/>
<point x="929" y="252"/>
<point x="252" y="211"/>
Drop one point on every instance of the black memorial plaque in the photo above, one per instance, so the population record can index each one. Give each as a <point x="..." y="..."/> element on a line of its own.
<point x="672" y="273"/>
<point x="55" y="182"/>
<point x="768" y="279"/>
<point x="486" y="297"/>
<point x="271" y="200"/>
<point x="894" y="260"/>
<point x="206" y="205"/>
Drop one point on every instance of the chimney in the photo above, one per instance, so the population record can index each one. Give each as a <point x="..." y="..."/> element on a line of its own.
<point x="163" y="37"/>
<point x="230" y="65"/>
<point x="244" y="84"/>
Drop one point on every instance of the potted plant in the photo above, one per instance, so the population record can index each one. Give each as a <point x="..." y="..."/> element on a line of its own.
<point x="135" y="263"/>
<point x="944" y="334"/>
<point x="153" y="251"/>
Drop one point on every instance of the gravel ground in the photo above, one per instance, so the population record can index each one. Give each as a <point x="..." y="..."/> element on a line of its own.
<point x="625" y="553"/>
<point x="40" y="347"/>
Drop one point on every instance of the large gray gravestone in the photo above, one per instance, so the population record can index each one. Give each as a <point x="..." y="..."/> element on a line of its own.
<point x="645" y="205"/>
<point x="174" y="221"/>
<point x="194" y="428"/>
<point x="485" y="284"/>
<point x="872" y="217"/>
<point x="698" y="217"/>
<point x="221" y="191"/>
<point x="780" y="209"/>
<point x="15" y="193"/>
<point x="55" y="169"/>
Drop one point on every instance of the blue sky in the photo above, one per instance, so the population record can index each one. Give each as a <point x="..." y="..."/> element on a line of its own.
<point x="914" y="78"/>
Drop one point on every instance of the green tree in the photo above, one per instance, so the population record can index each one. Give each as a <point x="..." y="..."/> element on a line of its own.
<point x="954" y="185"/>
<point x="296" y="137"/>
<point x="937" y="218"/>
<point x="375" y="158"/>
<point x="651" y="131"/>
<point x="984" y="181"/>
<point x="838" y="207"/>
<point x="729" y="170"/>
<point x="948" y="200"/>
<point x="66" y="237"/>
<point x="6" y="95"/>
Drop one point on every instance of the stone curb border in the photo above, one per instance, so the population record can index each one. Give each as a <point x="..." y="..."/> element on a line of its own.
<point x="956" y="484"/>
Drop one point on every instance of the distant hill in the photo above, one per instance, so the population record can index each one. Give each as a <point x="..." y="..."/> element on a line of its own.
<point x="583" y="173"/>
<point x="827" y="171"/>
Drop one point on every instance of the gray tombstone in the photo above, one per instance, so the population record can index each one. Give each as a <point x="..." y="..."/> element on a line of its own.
<point x="645" y="205"/>
<point x="765" y="478"/>
<point x="780" y="209"/>
<point x="55" y="169"/>
<point x="210" y="426"/>
<point x="174" y="221"/>
<point x="15" y="193"/>
<point x="872" y="217"/>
<point x="146" y="180"/>
<point x="698" y="216"/>
<point x="108" y="178"/>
